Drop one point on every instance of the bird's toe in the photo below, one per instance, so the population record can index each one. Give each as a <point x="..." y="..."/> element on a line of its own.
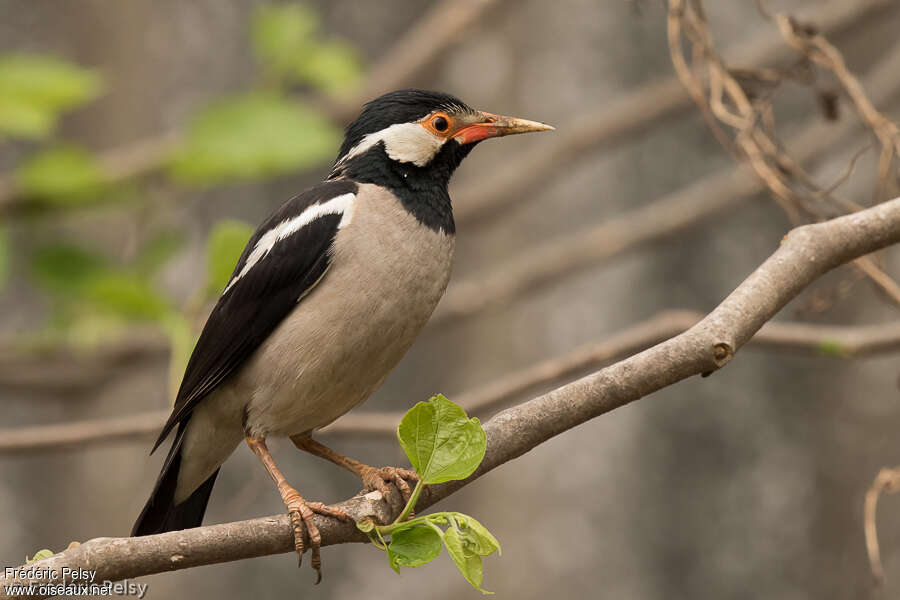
<point x="302" y="517"/>
<point x="379" y="479"/>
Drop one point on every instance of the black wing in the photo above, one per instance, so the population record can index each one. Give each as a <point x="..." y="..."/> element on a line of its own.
<point x="253" y="305"/>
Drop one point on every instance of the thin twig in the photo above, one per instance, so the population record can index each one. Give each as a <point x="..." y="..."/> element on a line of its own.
<point x="728" y="103"/>
<point x="607" y="125"/>
<point x="819" y="50"/>
<point x="887" y="482"/>
<point x="551" y="261"/>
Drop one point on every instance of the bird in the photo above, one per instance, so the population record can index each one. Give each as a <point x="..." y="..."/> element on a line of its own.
<point x="327" y="296"/>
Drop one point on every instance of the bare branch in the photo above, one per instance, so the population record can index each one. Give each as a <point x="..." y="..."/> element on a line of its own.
<point x="887" y="482"/>
<point x="838" y="341"/>
<point x="820" y="340"/>
<point x="805" y="254"/>
<point x="819" y="50"/>
<point x="726" y="102"/>
<point x="66" y="368"/>
<point x="558" y="258"/>
<point x="634" y="113"/>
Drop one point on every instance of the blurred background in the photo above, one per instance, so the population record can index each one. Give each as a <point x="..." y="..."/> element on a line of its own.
<point x="142" y="142"/>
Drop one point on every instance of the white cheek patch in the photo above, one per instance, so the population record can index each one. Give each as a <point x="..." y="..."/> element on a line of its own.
<point x="340" y="205"/>
<point x="403" y="142"/>
<point x="410" y="142"/>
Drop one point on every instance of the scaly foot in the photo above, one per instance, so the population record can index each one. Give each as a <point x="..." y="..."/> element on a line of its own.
<point x="378" y="479"/>
<point x="301" y="513"/>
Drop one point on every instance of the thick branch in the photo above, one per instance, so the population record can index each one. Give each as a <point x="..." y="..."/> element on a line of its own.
<point x="805" y="254"/>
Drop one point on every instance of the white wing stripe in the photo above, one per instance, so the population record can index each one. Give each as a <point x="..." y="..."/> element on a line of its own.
<point x="339" y="205"/>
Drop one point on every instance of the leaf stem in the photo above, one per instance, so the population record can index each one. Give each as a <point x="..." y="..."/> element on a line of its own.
<point x="417" y="491"/>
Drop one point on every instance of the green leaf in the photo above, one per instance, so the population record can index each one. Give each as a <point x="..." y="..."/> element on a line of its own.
<point x="34" y="89"/>
<point x="158" y="251"/>
<point x="832" y="348"/>
<point x="40" y="555"/>
<point x="182" y="341"/>
<point x="332" y="67"/>
<point x="223" y="249"/>
<point x="413" y="547"/>
<point x="19" y="119"/>
<point x="441" y="442"/>
<point x="468" y="563"/>
<point x="127" y="295"/>
<point x="475" y="536"/>
<point x="282" y="34"/>
<point x="366" y="525"/>
<point x="253" y="136"/>
<point x="64" y="174"/>
<point x="86" y="326"/>
<point x="63" y="269"/>
<point x="284" y="41"/>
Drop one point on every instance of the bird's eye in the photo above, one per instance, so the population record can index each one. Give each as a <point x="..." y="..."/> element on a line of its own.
<point x="440" y="123"/>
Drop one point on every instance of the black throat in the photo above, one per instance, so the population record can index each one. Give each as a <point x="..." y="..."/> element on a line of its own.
<point x="421" y="190"/>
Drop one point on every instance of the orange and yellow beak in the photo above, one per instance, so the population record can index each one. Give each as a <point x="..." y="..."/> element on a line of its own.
<point x="485" y="125"/>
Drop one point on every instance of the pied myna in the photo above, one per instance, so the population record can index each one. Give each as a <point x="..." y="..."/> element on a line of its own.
<point x="328" y="295"/>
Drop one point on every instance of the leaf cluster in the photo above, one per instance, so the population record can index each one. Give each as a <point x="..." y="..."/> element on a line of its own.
<point x="442" y="444"/>
<point x="35" y="90"/>
<point x="95" y="297"/>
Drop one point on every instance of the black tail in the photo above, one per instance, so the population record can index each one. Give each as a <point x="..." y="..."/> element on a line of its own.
<point x="161" y="514"/>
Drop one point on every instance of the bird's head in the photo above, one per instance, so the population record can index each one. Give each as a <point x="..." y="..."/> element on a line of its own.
<point x="417" y="131"/>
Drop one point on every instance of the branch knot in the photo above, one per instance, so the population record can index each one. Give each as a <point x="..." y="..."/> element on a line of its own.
<point x="722" y="353"/>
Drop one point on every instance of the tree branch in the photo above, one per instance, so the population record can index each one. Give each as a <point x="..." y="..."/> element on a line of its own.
<point x="742" y="119"/>
<point x="886" y="482"/>
<point x="806" y="253"/>
<point x="821" y="340"/>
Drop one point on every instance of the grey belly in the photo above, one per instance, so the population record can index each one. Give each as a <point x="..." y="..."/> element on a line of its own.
<point x="339" y="344"/>
<point x="386" y="276"/>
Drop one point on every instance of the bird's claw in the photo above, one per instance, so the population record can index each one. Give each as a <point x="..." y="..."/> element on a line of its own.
<point x="301" y="513"/>
<point x="378" y="479"/>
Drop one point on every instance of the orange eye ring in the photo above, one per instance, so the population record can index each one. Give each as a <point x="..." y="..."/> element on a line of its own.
<point x="439" y="123"/>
